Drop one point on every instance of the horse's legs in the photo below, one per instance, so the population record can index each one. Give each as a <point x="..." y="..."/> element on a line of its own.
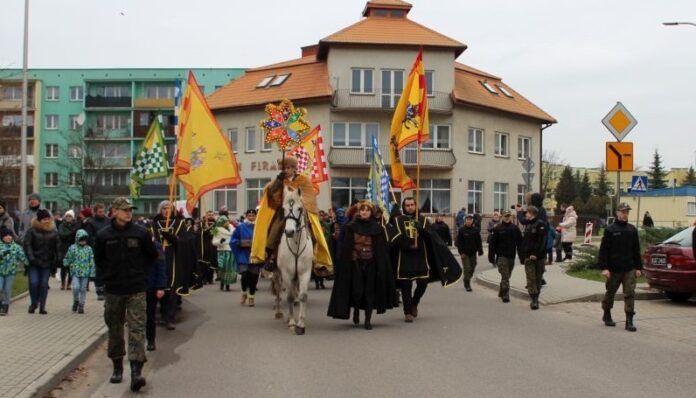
<point x="277" y="288"/>
<point x="291" y="306"/>
<point x="303" y="282"/>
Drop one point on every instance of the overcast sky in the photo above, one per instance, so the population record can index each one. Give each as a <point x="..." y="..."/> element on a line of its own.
<point x="574" y="59"/>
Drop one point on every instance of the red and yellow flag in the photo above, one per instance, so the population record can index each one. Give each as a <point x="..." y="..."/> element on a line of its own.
<point x="311" y="160"/>
<point x="205" y="159"/>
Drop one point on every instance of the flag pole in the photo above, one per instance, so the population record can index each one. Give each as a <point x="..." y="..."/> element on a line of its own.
<point x="172" y="179"/>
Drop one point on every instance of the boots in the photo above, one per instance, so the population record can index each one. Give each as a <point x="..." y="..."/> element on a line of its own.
<point x="368" y="317"/>
<point x="321" y="283"/>
<point x="151" y="345"/>
<point x="3" y="309"/>
<point x="607" y="318"/>
<point x="467" y="285"/>
<point x="81" y="309"/>
<point x="137" y="380"/>
<point x="243" y="300"/>
<point x="42" y="310"/>
<point x="117" y="375"/>
<point x="535" y="302"/>
<point x="74" y="306"/>
<point x="505" y="296"/>
<point x="32" y="308"/>
<point x="356" y="316"/>
<point x="251" y="301"/>
<point x="629" y="322"/>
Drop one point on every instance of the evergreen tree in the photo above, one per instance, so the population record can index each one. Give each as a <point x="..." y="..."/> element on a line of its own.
<point x="584" y="188"/>
<point x="603" y="185"/>
<point x="656" y="174"/>
<point x="690" y="177"/>
<point x="566" y="190"/>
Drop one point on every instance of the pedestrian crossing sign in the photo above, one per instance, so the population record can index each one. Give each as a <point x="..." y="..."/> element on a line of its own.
<point x="639" y="183"/>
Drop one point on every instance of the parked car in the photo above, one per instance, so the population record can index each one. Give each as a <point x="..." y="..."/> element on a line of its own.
<point x="670" y="266"/>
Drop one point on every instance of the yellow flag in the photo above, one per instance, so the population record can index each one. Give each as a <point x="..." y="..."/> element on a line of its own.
<point x="205" y="159"/>
<point x="410" y="121"/>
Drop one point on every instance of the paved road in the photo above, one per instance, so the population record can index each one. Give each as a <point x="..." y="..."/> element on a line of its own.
<point x="462" y="344"/>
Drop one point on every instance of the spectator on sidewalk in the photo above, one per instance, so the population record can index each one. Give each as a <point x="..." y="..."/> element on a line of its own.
<point x="11" y="256"/>
<point x="442" y="230"/>
<point x="551" y="237"/>
<point x="27" y="216"/>
<point x="533" y="253"/>
<point x="124" y="252"/>
<point x="459" y="219"/>
<point x="469" y="244"/>
<point x="503" y="245"/>
<point x="7" y="221"/>
<point x="66" y="232"/>
<point x="42" y="245"/>
<point x="227" y="267"/>
<point x="621" y="263"/>
<point x="568" y="231"/>
<point x="80" y="261"/>
<point x="93" y="225"/>
<point x="647" y="220"/>
<point x="241" y="249"/>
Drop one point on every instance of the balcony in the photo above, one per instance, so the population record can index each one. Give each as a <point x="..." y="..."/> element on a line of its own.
<point x="358" y="157"/>
<point x="154" y="190"/>
<point x="98" y="101"/>
<point x="141" y="131"/>
<point x="16" y="104"/>
<point x="438" y="102"/>
<point x="154" y="103"/>
<point x="15" y="132"/>
<point x="14" y="161"/>
<point x="112" y="190"/>
<point x="99" y="162"/>
<point x="100" y="133"/>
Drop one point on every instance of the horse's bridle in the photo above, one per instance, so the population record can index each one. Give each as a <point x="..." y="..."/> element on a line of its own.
<point x="299" y="226"/>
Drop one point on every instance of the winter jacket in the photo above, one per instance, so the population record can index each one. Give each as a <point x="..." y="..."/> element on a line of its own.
<point x="66" y="233"/>
<point x="443" y="231"/>
<point x="469" y="241"/>
<point x="80" y="258"/>
<point x="491" y="224"/>
<point x="93" y="225"/>
<point x="25" y="221"/>
<point x="42" y="245"/>
<point x="551" y="238"/>
<point x="157" y="275"/>
<point x="459" y="220"/>
<point x="620" y="248"/>
<point x="11" y="255"/>
<point x="534" y="240"/>
<point x="537" y="200"/>
<point x="504" y="242"/>
<point x="568" y="225"/>
<point x="8" y="222"/>
<point x="221" y="238"/>
<point x="123" y="256"/>
<point x="243" y="232"/>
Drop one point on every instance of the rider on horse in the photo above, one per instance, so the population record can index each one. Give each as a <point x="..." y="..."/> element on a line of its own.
<point x="270" y="221"/>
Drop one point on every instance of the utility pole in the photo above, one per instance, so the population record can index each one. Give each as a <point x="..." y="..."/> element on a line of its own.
<point x="25" y="99"/>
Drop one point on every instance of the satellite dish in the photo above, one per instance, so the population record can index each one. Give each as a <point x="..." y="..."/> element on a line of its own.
<point x="80" y="119"/>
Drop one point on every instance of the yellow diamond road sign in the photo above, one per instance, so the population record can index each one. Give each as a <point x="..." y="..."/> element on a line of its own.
<point x="619" y="121"/>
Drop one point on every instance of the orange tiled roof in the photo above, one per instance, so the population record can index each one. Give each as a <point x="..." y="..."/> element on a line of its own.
<point x="391" y="32"/>
<point x="309" y="79"/>
<point x="468" y="89"/>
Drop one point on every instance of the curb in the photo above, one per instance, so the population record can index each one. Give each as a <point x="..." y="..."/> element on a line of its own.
<point x="581" y="298"/>
<point x="49" y="380"/>
<point x="19" y="296"/>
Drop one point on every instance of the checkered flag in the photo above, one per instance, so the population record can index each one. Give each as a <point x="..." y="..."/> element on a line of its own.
<point x="150" y="161"/>
<point x="302" y="156"/>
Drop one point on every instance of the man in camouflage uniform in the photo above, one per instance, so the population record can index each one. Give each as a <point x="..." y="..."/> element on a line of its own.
<point x="502" y="247"/>
<point x="123" y="253"/>
<point x="533" y="253"/>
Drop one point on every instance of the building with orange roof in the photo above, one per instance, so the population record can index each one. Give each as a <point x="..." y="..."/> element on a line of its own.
<point x="481" y="128"/>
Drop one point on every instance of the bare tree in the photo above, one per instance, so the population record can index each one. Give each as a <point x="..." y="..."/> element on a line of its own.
<point x="550" y="161"/>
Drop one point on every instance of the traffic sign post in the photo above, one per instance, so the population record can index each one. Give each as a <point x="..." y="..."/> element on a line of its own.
<point x="639" y="184"/>
<point x="619" y="122"/>
<point x="528" y="165"/>
<point x="619" y="156"/>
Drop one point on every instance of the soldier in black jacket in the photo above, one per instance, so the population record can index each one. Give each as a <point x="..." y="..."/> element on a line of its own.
<point x="621" y="264"/>
<point x="123" y="253"/>
<point x="468" y="244"/>
<point x="502" y="247"/>
<point x="533" y="253"/>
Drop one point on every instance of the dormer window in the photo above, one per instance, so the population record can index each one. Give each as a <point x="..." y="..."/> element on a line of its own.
<point x="504" y="90"/>
<point x="263" y="83"/>
<point x="280" y="79"/>
<point x="488" y="87"/>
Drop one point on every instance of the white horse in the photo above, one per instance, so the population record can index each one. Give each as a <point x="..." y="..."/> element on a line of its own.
<point x="295" y="255"/>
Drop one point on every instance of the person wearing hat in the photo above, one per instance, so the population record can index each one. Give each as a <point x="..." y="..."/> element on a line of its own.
<point x="533" y="253"/>
<point x="270" y="222"/>
<point x="7" y="221"/>
<point x="469" y="244"/>
<point x="11" y="257"/>
<point x="241" y="248"/>
<point x="503" y="244"/>
<point x="621" y="263"/>
<point x="66" y="231"/>
<point x="27" y="216"/>
<point x="124" y="252"/>
<point x="42" y="246"/>
<point x="80" y="260"/>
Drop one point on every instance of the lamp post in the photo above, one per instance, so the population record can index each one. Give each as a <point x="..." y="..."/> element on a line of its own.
<point x="25" y="94"/>
<point x="678" y="23"/>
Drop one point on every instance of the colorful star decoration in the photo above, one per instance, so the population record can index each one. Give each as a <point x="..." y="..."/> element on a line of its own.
<point x="285" y="124"/>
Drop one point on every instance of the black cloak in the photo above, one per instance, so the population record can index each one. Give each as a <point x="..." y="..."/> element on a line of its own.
<point x="183" y="270"/>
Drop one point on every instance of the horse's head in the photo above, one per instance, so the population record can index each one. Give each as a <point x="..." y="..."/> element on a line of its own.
<point x="293" y="210"/>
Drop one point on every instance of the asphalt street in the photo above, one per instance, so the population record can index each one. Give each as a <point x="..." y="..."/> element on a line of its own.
<point x="462" y="344"/>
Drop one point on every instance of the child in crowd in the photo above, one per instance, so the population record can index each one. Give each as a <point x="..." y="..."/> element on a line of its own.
<point x="80" y="260"/>
<point x="11" y="255"/>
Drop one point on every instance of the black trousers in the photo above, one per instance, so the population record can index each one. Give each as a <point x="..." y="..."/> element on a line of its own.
<point x="410" y="298"/>
<point x="151" y="312"/>
<point x="568" y="250"/>
<point x="168" y="306"/>
<point x="364" y="284"/>
<point x="249" y="282"/>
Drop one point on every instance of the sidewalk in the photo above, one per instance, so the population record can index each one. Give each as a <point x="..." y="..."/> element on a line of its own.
<point x="40" y="350"/>
<point x="560" y="287"/>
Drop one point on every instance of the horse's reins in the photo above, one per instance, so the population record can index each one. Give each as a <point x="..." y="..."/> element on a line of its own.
<point x="299" y="227"/>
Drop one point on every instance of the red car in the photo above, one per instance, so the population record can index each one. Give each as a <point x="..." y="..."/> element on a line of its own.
<point x="670" y="266"/>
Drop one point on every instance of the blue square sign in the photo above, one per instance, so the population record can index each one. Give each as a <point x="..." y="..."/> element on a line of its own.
<point x="639" y="183"/>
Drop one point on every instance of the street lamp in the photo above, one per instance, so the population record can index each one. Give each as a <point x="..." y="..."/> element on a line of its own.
<point x="678" y="23"/>
<point x="25" y="94"/>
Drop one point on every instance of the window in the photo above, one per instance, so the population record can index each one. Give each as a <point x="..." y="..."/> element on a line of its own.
<point x="157" y="92"/>
<point x="500" y="196"/>
<point x="74" y="179"/>
<point x="475" y="197"/>
<point x="488" y="87"/>
<point x="51" y="179"/>
<point x="150" y="206"/>
<point x="521" y="191"/>
<point x="354" y="134"/>
<point x="51" y="205"/>
<point x="361" y="82"/>
<point x="51" y="151"/>
<point x="74" y="151"/>
<point x="265" y="146"/>
<point x="52" y="93"/>
<point x="524" y="148"/>
<point x="280" y="79"/>
<point x="12" y="93"/>
<point x="475" y="140"/>
<point x="346" y="191"/>
<point x="264" y="82"/>
<point x="74" y="125"/>
<point x="51" y="122"/>
<point x="233" y="137"/>
<point x="502" y="144"/>
<point x="112" y="122"/>
<point x="504" y="90"/>
<point x="113" y="91"/>
<point x="429" y="75"/>
<point x="76" y="93"/>
<point x="255" y="190"/>
<point x="226" y="197"/>
<point x="114" y="179"/>
<point x="435" y="196"/>
<point x="392" y="86"/>
<point x="144" y="119"/>
<point x="439" y="137"/>
<point x="111" y="151"/>
<point x="251" y="139"/>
